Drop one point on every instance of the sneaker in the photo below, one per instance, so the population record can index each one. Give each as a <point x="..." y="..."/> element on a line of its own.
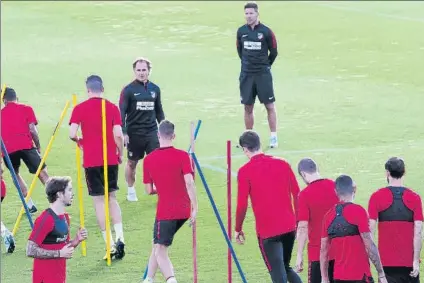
<point x="120" y="249"/>
<point x="9" y="242"/>
<point x="33" y="209"/>
<point x="273" y="143"/>
<point x="112" y="253"/>
<point x="148" y="280"/>
<point x="132" y="197"/>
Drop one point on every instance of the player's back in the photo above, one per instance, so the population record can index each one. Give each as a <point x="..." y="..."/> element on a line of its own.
<point x="272" y="183"/>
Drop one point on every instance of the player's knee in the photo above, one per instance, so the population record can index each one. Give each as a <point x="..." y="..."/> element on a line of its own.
<point x="270" y="107"/>
<point x="160" y="250"/>
<point x="248" y="109"/>
<point x="132" y="164"/>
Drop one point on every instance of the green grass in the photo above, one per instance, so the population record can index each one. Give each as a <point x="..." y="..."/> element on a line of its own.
<point x="348" y="83"/>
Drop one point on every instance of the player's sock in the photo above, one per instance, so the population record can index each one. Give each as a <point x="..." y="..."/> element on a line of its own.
<point x="274" y="140"/>
<point x="131" y="190"/>
<point x="171" y="280"/>
<point x="30" y="203"/>
<point x="111" y="239"/>
<point x="273" y="134"/>
<point x="4" y="230"/>
<point x="119" y="232"/>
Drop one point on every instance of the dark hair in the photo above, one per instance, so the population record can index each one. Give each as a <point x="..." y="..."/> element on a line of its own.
<point x="94" y="83"/>
<point x="250" y="140"/>
<point x="396" y="167"/>
<point x="9" y="94"/>
<point x="307" y="165"/>
<point x="56" y="185"/>
<point x="251" y="5"/>
<point x="142" y="59"/>
<point x="344" y="185"/>
<point x="166" y="129"/>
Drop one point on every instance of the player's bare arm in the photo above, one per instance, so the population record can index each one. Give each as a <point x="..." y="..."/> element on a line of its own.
<point x="149" y="189"/>
<point x="191" y="191"/>
<point x="73" y="132"/>
<point x="324" y="262"/>
<point x="79" y="237"/>
<point x="302" y="236"/>
<point x="418" y="241"/>
<point x="373" y="253"/>
<point x="373" y="227"/>
<point x="118" y="136"/>
<point x="34" y="251"/>
<point x="34" y="134"/>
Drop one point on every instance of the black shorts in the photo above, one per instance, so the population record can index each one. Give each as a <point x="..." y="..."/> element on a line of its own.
<point x="30" y="157"/>
<point x="400" y="274"/>
<point x="314" y="272"/>
<point x="364" y="280"/>
<point x="165" y="230"/>
<point x="277" y="252"/>
<point x="260" y="85"/>
<point x="139" y="146"/>
<point x="95" y="180"/>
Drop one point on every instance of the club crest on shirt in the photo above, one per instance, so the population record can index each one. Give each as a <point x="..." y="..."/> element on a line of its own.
<point x="260" y="35"/>
<point x="153" y="94"/>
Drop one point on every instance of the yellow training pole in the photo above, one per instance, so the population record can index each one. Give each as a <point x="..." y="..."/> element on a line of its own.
<point x="79" y="184"/>
<point x="46" y="153"/>
<point x="105" y="176"/>
<point x="3" y="90"/>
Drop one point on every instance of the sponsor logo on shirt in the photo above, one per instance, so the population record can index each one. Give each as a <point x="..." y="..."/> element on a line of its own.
<point x="250" y="45"/>
<point x="62" y="239"/>
<point x="145" y="105"/>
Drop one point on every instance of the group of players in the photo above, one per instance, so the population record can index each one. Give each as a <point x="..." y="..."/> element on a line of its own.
<point x="340" y="232"/>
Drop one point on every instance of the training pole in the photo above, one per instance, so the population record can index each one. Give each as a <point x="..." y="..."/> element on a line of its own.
<point x="218" y="217"/>
<point x="196" y="132"/>
<point x="43" y="160"/>
<point x="79" y="186"/>
<point x="194" y="232"/>
<point x="3" y="90"/>
<point x="16" y="182"/>
<point x="229" y="200"/>
<point x="106" y="182"/>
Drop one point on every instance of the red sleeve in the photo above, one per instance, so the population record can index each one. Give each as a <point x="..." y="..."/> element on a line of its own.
<point x="303" y="209"/>
<point x="31" y="116"/>
<point x="187" y="164"/>
<point x="242" y="198"/>
<point x="43" y="225"/>
<point x="324" y="231"/>
<point x="147" y="178"/>
<point x="116" y="116"/>
<point x="418" y="209"/>
<point x="373" y="206"/>
<point x="360" y="218"/>
<point x="75" y="116"/>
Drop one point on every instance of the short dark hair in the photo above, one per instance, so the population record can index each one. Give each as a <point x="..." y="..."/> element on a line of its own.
<point x="307" y="165"/>
<point x="166" y="129"/>
<point x="94" y="83"/>
<point x="142" y="59"/>
<point x="396" y="167"/>
<point x="9" y="94"/>
<point x="344" y="185"/>
<point x="251" y="5"/>
<point x="250" y="140"/>
<point x="56" y="185"/>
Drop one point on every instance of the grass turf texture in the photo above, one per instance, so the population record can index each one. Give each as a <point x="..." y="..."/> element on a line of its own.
<point x="347" y="82"/>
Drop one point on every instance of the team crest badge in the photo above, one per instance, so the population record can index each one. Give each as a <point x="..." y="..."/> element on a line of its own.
<point x="260" y="35"/>
<point x="153" y="94"/>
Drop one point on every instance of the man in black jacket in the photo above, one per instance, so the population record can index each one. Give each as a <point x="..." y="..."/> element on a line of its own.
<point x="141" y="111"/>
<point x="254" y="41"/>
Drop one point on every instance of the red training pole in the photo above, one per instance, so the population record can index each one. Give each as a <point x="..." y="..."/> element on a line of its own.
<point x="192" y="133"/>
<point x="230" y="272"/>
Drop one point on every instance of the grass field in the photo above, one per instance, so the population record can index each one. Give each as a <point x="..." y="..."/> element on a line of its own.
<point x="348" y="83"/>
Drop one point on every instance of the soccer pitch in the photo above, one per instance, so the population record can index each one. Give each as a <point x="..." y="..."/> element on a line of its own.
<point x="348" y="83"/>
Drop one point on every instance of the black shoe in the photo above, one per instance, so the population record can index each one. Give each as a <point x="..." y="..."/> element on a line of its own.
<point x="33" y="209"/>
<point x="120" y="249"/>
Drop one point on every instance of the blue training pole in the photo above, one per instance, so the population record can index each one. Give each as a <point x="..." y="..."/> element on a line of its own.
<point x="196" y="132"/>
<point x="15" y="181"/>
<point x="218" y="217"/>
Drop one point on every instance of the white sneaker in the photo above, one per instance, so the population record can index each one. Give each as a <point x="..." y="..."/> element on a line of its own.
<point x="148" y="280"/>
<point x="273" y="143"/>
<point x="9" y="243"/>
<point x="132" y="197"/>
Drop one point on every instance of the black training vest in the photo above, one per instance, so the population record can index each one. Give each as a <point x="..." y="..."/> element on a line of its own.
<point x="60" y="231"/>
<point x="397" y="211"/>
<point x="340" y="227"/>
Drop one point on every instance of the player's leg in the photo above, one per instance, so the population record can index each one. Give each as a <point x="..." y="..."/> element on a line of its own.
<point x="152" y="266"/>
<point x="136" y="150"/>
<point x="247" y="96"/>
<point x="265" y="88"/>
<point x="115" y="211"/>
<point x="9" y="241"/>
<point x="287" y="241"/>
<point x="272" y="254"/>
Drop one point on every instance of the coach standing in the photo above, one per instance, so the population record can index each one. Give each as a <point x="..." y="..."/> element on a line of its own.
<point x="273" y="189"/>
<point x="254" y="40"/>
<point x="399" y="213"/>
<point x="141" y="111"/>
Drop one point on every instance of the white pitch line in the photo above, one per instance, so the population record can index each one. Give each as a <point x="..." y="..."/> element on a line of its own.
<point x="218" y="169"/>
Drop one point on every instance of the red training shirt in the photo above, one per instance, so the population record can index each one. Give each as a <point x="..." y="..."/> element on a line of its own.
<point x="88" y="114"/>
<point x="395" y="238"/>
<point x="15" y="121"/>
<point x="273" y="190"/>
<point x="314" y="202"/>
<point x="350" y="256"/>
<point x="46" y="230"/>
<point x="165" y="167"/>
